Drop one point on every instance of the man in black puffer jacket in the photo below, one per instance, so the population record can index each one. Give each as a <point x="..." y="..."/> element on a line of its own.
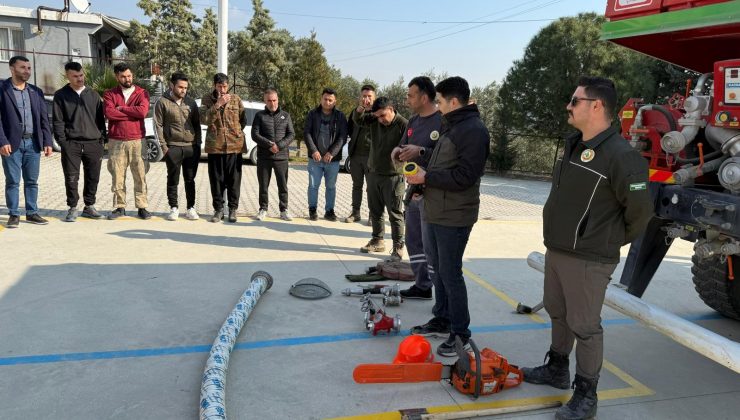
<point x="325" y="133"/>
<point x="272" y="130"/>
<point x="451" y="202"/>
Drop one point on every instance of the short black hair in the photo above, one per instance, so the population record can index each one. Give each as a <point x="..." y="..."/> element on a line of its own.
<point x="177" y="76"/>
<point x="121" y="67"/>
<point x="602" y="89"/>
<point x="425" y="85"/>
<point x="328" y="91"/>
<point x="367" y="87"/>
<point x="17" y="58"/>
<point x="381" y="103"/>
<point x="454" y="87"/>
<point x="73" y="65"/>
<point x="220" y="78"/>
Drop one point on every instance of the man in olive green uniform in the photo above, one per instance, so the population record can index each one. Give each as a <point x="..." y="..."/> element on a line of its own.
<point x="385" y="184"/>
<point x="358" y="150"/>
<point x="598" y="202"/>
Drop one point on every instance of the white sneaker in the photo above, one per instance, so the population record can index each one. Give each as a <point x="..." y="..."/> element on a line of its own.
<point x="192" y="214"/>
<point x="174" y="214"/>
<point x="286" y="216"/>
<point x="261" y="214"/>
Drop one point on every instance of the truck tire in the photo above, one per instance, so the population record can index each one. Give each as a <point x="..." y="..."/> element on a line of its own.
<point x="719" y="293"/>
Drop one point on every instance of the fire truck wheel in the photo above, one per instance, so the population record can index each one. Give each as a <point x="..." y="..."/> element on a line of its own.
<point x="715" y="289"/>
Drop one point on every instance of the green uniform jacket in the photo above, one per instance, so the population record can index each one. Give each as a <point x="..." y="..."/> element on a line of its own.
<point x="383" y="139"/>
<point x="599" y="200"/>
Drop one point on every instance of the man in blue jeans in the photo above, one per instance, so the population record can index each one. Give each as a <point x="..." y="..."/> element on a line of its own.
<point x="24" y="132"/>
<point x="325" y="133"/>
<point x="451" y="202"/>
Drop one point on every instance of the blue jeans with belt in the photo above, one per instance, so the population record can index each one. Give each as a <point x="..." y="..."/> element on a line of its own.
<point x="24" y="163"/>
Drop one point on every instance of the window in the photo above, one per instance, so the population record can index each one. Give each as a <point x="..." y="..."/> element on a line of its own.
<point x="10" y="39"/>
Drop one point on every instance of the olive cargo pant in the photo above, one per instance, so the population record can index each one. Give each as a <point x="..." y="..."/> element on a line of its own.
<point x="122" y="155"/>
<point x="574" y="295"/>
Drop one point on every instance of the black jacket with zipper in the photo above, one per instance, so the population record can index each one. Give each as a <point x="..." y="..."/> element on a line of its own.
<point x="78" y="117"/>
<point x="270" y="128"/>
<point x="337" y="131"/>
<point x="452" y="183"/>
<point x="599" y="199"/>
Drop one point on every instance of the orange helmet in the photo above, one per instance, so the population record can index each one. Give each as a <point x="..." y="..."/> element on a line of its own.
<point x="414" y="349"/>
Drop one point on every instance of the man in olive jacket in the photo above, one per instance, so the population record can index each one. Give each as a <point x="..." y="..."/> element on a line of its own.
<point x="272" y="130"/>
<point x="451" y="203"/>
<point x="224" y="115"/>
<point x="598" y="202"/>
<point x="177" y="124"/>
<point x="385" y="186"/>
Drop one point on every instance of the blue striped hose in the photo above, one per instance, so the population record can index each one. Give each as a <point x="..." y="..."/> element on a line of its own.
<point x="212" y="389"/>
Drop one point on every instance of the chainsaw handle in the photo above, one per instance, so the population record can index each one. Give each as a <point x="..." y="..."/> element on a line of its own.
<point x="515" y="381"/>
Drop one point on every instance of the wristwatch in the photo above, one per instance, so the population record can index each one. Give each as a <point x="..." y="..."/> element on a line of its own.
<point x="422" y="151"/>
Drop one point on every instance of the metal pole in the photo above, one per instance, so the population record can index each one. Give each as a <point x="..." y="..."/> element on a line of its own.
<point x="720" y="349"/>
<point x="223" y="31"/>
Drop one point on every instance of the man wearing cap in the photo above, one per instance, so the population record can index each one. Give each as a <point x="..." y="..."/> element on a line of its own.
<point x="385" y="186"/>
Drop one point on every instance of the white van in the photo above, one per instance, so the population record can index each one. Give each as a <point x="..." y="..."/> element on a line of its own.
<point x="154" y="151"/>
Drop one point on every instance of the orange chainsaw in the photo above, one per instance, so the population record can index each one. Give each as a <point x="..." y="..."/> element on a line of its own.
<point x="474" y="373"/>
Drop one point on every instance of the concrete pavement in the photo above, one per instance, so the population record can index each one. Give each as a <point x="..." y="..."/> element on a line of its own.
<point x="114" y="319"/>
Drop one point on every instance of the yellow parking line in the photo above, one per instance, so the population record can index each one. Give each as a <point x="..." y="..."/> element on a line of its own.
<point x="635" y="388"/>
<point x="501" y="295"/>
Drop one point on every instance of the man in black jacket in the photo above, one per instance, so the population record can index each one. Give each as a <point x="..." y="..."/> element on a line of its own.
<point x="272" y="129"/>
<point x="451" y="202"/>
<point x="325" y="133"/>
<point x="79" y="127"/>
<point x="598" y="203"/>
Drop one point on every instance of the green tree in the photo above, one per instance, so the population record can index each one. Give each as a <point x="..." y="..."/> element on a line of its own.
<point x="174" y="41"/>
<point x="305" y="76"/>
<point x="258" y="55"/>
<point x="537" y="87"/>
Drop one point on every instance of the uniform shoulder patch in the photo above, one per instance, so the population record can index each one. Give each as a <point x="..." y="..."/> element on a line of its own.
<point x="638" y="186"/>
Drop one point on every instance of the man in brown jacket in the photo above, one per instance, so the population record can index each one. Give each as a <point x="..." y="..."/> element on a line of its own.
<point x="177" y="124"/>
<point x="225" y="117"/>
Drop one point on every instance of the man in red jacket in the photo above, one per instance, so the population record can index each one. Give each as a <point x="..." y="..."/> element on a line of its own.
<point x="126" y="107"/>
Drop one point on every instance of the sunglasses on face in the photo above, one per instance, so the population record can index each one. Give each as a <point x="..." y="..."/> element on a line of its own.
<point x="574" y="100"/>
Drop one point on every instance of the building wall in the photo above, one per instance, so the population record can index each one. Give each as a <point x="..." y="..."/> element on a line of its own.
<point x="53" y="46"/>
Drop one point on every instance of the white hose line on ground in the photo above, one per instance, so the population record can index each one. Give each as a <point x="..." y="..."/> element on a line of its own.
<point x="712" y="345"/>
<point x="212" y="389"/>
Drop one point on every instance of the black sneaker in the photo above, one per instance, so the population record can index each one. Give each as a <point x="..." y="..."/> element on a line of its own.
<point x="232" y="215"/>
<point x="447" y="349"/>
<point x="436" y="327"/>
<point x="312" y="215"/>
<point x="414" y="292"/>
<point x="90" y="212"/>
<point x="330" y="216"/>
<point x="115" y="214"/>
<point x="144" y="214"/>
<point x="13" y="222"/>
<point x="36" y="219"/>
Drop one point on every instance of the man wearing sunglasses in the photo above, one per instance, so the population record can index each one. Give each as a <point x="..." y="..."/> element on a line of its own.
<point x="598" y="203"/>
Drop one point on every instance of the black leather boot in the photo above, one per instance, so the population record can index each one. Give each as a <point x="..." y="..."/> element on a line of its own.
<point x="554" y="372"/>
<point x="583" y="402"/>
